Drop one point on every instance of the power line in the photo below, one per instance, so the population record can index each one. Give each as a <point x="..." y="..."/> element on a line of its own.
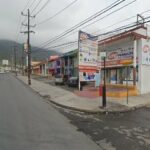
<point x="32" y="4"/>
<point x="110" y="13"/>
<point x="36" y="6"/>
<point x="129" y="18"/>
<point x="84" y="22"/>
<point x="106" y="15"/>
<point x="115" y="23"/>
<point x="63" y="44"/>
<point x="124" y="27"/>
<point x="42" y="7"/>
<point x="129" y="26"/>
<point x="57" y="13"/>
<point x="26" y="5"/>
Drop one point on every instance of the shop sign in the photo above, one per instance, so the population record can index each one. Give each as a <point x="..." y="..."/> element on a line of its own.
<point x="112" y="56"/>
<point x="88" y="49"/>
<point x="86" y="75"/>
<point x="102" y="54"/>
<point x="146" y="55"/>
<point x="88" y="55"/>
<point x="120" y="54"/>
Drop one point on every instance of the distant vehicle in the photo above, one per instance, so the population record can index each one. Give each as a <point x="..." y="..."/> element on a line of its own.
<point x="73" y="81"/>
<point x="59" y="79"/>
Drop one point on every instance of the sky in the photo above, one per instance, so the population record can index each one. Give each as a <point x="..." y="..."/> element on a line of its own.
<point x="11" y="18"/>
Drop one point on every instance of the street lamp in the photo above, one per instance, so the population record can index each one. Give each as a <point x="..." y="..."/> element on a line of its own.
<point x="103" y="56"/>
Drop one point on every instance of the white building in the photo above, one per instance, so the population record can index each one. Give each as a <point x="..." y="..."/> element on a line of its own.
<point x="132" y="49"/>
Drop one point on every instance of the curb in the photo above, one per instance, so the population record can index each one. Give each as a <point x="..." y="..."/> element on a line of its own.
<point x="101" y="111"/>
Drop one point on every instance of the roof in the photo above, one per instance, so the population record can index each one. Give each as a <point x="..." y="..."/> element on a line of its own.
<point x="38" y="63"/>
<point x="123" y="35"/>
<point x="34" y="63"/>
<point x="70" y="53"/>
<point x="52" y="58"/>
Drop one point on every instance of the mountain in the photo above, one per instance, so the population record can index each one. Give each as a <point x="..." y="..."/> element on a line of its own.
<point x="6" y="51"/>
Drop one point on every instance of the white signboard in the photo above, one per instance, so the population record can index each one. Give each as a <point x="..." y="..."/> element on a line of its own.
<point x="4" y="62"/>
<point x="88" y="56"/>
<point x="88" y="49"/>
<point x="102" y="54"/>
<point x="26" y="47"/>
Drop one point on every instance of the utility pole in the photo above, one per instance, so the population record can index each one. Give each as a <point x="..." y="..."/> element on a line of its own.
<point x="28" y="43"/>
<point x="15" y="59"/>
<point x="22" y="61"/>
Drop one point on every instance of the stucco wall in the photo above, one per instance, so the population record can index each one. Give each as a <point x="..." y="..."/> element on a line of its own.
<point x="145" y="76"/>
<point x="144" y="71"/>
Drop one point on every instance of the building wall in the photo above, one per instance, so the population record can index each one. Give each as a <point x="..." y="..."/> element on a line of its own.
<point x="145" y="79"/>
<point x="139" y="57"/>
<point x="144" y="68"/>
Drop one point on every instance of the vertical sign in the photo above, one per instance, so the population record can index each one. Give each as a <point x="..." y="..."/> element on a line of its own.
<point x="88" y="54"/>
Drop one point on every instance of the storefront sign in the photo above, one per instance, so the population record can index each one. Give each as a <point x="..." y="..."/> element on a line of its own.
<point x="119" y="56"/>
<point x="102" y="54"/>
<point x="122" y="53"/>
<point x="88" y="53"/>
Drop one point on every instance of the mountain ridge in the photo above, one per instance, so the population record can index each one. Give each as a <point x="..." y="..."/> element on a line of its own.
<point x="37" y="54"/>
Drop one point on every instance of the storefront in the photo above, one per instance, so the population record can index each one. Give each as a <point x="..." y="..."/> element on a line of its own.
<point x="70" y="64"/>
<point x="127" y="57"/>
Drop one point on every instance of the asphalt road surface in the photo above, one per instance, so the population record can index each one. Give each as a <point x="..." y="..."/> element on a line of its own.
<point x="27" y="122"/>
<point x="124" y="131"/>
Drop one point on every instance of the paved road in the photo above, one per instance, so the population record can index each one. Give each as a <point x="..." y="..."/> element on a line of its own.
<point x="27" y="122"/>
<point x="128" y="131"/>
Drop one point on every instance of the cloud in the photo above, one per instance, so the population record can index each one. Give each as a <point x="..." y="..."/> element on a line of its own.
<point x="10" y="11"/>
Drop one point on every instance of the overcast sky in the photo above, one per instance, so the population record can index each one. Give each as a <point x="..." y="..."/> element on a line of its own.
<point x="10" y="15"/>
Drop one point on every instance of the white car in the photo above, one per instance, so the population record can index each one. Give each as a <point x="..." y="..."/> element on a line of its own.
<point x="59" y="79"/>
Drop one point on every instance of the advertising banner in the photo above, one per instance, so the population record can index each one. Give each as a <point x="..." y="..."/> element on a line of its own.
<point x="119" y="56"/>
<point x="88" y="53"/>
<point x="121" y="53"/>
<point x="5" y="62"/>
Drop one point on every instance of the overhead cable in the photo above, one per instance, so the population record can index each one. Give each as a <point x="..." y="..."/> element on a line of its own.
<point x="42" y="7"/>
<point x="84" y="22"/>
<point x="57" y="13"/>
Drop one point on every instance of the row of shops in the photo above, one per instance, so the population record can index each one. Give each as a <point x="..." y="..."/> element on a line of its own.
<point x="66" y="65"/>
<point x="127" y="58"/>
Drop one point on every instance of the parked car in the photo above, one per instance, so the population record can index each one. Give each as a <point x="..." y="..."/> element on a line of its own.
<point x="59" y="79"/>
<point x="73" y="81"/>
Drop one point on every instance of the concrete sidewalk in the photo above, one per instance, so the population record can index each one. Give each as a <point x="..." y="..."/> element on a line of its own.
<point x="67" y="99"/>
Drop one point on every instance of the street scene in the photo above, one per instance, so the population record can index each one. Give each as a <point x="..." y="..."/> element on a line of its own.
<point x="28" y="122"/>
<point x="74" y="75"/>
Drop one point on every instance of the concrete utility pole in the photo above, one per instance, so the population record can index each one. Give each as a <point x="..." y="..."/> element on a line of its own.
<point x="28" y="43"/>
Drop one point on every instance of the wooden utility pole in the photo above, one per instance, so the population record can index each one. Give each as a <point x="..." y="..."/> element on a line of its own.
<point x="28" y="43"/>
<point x="15" y="59"/>
<point x="22" y="61"/>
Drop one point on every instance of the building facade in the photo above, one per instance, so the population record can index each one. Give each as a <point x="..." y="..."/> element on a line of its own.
<point x="128" y="58"/>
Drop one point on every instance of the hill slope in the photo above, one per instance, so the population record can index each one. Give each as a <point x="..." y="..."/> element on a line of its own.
<point x="6" y="51"/>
